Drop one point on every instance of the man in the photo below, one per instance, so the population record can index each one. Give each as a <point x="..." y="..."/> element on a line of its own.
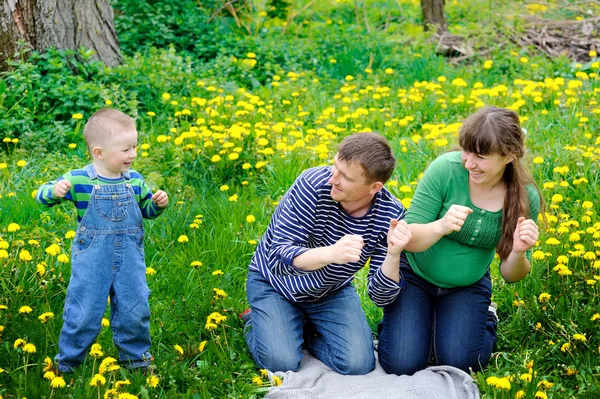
<point x="325" y="228"/>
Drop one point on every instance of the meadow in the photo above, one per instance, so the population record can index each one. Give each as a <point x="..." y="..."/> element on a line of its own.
<point x="228" y="116"/>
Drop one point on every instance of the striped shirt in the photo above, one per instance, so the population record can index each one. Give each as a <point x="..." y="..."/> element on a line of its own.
<point x="81" y="191"/>
<point x="307" y="217"/>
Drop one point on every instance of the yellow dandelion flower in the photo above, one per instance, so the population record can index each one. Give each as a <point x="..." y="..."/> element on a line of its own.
<point x="201" y="346"/>
<point x="150" y="271"/>
<point x="210" y="326"/>
<point x="122" y="383"/>
<point x="40" y="269"/>
<point x="276" y="380"/>
<point x="500" y="383"/>
<point x="565" y="347"/>
<point x="47" y="364"/>
<point x="595" y="317"/>
<point x="25" y="309"/>
<point x="106" y="364"/>
<point x="544" y="297"/>
<point x="3" y="254"/>
<point x="196" y="263"/>
<point x="252" y="242"/>
<point x="233" y="198"/>
<point x="562" y="259"/>
<point x="526" y="377"/>
<point x="257" y="381"/>
<point x="49" y="375"/>
<point x="62" y="258"/>
<point x="545" y="384"/>
<point x="29" y="348"/>
<point x="98" y="380"/>
<point x="178" y="349"/>
<point x="224" y="187"/>
<point x="183" y="238"/>
<point x="250" y="219"/>
<point x="53" y="250"/>
<point x="77" y="116"/>
<point x="96" y="351"/>
<point x="579" y="337"/>
<point x="217" y="272"/>
<point x="520" y="394"/>
<point x="58" y="382"/>
<point x="152" y="381"/>
<point x="24" y="255"/>
<point x="105" y="322"/>
<point x="538" y="255"/>
<point x="44" y="317"/>
<point x="540" y="395"/>
<point x="219" y="294"/>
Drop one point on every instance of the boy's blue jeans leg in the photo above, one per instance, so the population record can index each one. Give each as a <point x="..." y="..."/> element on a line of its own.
<point x="341" y="339"/>
<point x="85" y="305"/>
<point x="129" y="307"/>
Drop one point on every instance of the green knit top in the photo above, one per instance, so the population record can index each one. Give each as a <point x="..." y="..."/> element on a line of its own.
<point x="462" y="257"/>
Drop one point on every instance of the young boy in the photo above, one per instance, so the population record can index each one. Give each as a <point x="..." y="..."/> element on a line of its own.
<point x="108" y="249"/>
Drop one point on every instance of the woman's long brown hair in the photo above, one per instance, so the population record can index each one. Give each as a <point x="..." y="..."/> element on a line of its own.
<point x="493" y="130"/>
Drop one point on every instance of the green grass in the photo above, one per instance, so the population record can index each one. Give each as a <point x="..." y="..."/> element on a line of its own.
<point x="278" y="129"/>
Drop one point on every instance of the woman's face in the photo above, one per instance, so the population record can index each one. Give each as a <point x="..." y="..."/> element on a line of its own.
<point x="485" y="170"/>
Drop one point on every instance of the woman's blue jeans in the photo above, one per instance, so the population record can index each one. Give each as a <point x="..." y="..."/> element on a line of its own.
<point x="453" y="323"/>
<point x="334" y="329"/>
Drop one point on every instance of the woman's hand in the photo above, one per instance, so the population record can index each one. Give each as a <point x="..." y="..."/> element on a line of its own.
<point x="525" y="236"/>
<point x="454" y="219"/>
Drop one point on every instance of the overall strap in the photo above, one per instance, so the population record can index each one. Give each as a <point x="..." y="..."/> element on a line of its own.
<point x="91" y="172"/>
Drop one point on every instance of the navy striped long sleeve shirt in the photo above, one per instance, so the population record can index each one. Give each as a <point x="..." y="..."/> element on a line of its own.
<point x="307" y="217"/>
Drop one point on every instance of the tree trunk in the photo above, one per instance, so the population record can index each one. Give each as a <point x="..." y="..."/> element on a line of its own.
<point x="433" y="14"/>
<point x="64" y="24"/>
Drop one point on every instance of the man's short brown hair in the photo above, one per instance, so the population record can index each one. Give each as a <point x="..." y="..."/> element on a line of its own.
<point x="104" y="124"/>
<point x="372" y="152"/>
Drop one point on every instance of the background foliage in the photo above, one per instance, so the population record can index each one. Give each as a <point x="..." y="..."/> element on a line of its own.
<point x="230" y="108"/>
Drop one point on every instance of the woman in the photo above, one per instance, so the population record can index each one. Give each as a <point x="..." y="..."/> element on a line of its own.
<point x="469" y="205"/>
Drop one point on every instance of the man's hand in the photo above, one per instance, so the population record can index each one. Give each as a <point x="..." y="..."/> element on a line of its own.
<point x="347" y="249"/>
<point x="398" y="236"/>
<point x="160" y="198"/>
<point x="61" y="188"/>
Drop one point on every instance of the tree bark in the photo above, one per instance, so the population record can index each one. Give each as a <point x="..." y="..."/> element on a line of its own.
<point x="64" y="24"/>
<point x="433" y="14"/>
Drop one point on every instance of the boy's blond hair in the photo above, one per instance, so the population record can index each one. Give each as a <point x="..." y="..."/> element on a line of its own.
<point x="104" y="124"/>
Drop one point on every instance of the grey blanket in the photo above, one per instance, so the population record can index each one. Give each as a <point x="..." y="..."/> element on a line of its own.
<point x="314" y="380"/>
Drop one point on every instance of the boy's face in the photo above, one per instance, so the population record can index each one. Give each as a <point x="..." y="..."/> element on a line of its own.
<point x="115" y="156"/>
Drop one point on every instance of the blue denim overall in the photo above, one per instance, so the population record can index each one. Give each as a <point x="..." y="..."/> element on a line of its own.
<point x="107" y="260"/>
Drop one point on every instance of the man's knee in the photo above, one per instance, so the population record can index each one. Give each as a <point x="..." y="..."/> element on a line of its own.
<point x="354" y="363"/>
<point x="280" y="361"/>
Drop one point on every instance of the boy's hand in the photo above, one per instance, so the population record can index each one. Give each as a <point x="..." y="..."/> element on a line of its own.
<point x="61" y="188"/>
<point x="160" y="198"/>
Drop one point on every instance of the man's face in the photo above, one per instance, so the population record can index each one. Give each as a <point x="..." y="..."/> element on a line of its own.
<point x="348" y="183"/>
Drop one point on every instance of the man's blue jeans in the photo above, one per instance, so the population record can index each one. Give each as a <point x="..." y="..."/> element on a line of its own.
<point x="339" y="334"/>
<point x="454" y="323"/>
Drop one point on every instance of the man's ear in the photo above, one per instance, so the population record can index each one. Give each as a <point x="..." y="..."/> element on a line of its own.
<point x="98" y="153"/>
<point x="376" y="187"/>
